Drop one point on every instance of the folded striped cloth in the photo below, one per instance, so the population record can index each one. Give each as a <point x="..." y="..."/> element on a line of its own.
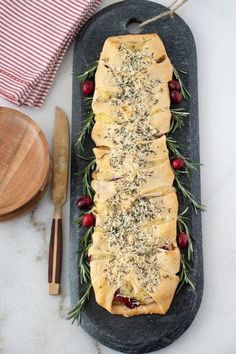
<point x="34" y="36"/>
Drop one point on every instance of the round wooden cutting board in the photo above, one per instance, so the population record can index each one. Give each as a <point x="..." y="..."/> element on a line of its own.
<point x="24" y="162"/>
<point x="31" y="203"/>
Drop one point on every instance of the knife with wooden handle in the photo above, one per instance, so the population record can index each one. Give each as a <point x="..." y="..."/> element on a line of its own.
<point x="59" y="193"/>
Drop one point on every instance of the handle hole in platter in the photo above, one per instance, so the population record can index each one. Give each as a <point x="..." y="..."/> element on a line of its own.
<point x="132" y="26"/>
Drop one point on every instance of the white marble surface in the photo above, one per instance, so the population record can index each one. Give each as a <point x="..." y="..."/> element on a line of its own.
<point x="33" y="322"/>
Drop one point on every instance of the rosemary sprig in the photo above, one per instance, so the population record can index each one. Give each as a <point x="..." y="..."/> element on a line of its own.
<point x="87" y="188"/>
<point x="184" y="274"/>
<point x="84" y="265"/>
<point x="78" y="221"/>
<point x="88" y="99"/>
<point x="84" y="268"/>
<point x="177" y="121"/>
<point x="183" y="227"/>
<point x="87" y="158"/>
<point x="75" y="313"/>
<point x="188" y="195"/>
<point x="87" y="123"/>
<point x="174" y="147"/>
<point x="89" y="73"/>
<point x="87" y="102"/>
<point x="86" y="238"/>
<point x="185" y="93"/>
<point x="86" y="128"/>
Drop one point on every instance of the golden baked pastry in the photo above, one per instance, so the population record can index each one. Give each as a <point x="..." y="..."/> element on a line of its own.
<point x="113" y="163"/>
<point x="134" y="255"/>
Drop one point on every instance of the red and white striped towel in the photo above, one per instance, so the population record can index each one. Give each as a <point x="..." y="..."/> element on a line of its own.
<point x="34" y="36"/>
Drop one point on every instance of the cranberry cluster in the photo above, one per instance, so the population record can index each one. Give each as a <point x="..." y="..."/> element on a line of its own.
<point x="175" y="95"/>
<point x="83" y="203"/>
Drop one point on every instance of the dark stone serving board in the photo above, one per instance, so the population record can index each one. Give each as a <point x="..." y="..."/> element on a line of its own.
<point x="139" y="334"/>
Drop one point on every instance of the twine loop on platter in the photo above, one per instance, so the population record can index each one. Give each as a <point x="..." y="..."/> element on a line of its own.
<point x="172" y="9"/>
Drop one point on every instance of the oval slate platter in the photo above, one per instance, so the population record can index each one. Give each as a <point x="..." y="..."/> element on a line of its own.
<point x="140" y="334"/>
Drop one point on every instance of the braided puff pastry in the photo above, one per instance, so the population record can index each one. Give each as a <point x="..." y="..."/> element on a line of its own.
<point x="134" y="255"/>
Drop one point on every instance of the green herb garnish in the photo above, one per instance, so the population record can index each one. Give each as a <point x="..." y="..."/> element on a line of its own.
<point x="87" y="179"/>
<point x="75" y="313"/>
<point x="188" y="195"/>
<point x="89" y="73"/>
<point x="184" y="274"/>
<point x="183" y="227"/>
<point x="178" y="116"/>
<point x="185" y="93"/>
<point x="86" y="128"/>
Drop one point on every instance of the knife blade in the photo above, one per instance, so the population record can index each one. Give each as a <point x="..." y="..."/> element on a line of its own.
<point x="59" y="194"/>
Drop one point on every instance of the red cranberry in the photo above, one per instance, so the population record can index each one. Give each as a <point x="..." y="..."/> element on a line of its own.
<point x="175" y="96"/>
<point x="84" y="203"/>
<point x="88" y="220"/>
<point x="174" y="85"/>
<point x="127" y="301"/>
<point x="88" y="87"/>
<point x="182" y="240"/>
<point x="177" y="164"/>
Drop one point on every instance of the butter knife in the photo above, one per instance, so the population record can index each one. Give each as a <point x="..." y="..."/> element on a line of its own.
<point x="59" y="194"/>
